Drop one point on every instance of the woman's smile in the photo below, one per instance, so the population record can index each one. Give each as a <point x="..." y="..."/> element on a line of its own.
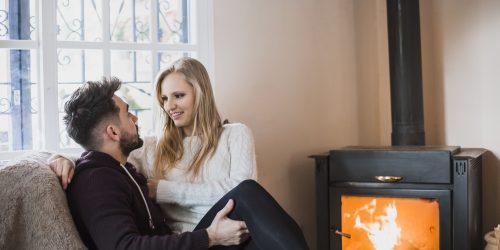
<point x="176" y="115"/>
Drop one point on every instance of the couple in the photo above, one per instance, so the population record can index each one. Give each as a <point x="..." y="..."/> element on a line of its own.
<point x="196" y="172"/>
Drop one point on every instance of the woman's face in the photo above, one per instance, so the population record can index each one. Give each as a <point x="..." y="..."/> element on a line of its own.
<point x="178" y="101"/>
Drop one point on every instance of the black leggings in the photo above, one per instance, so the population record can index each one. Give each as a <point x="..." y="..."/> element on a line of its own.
<point x="269" y="225"/>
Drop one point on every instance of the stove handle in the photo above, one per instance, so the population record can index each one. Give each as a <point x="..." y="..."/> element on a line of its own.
<point x="341" y="233"/>
<point x="387" y="178"/>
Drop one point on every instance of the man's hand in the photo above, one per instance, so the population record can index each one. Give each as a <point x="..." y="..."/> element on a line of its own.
<point x="226" y="232"/>
<point x="152" y="187"/>
<point x="64" y="170"/>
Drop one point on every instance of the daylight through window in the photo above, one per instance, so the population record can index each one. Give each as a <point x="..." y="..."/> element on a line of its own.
<point x="48" y="48"/>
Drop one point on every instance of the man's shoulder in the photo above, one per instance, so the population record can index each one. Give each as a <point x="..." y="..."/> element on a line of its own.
<point x="91" y="170"/>
<point x="95" y="177"/>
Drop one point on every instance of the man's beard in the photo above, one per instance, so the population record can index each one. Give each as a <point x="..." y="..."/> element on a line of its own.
<point x="129" y="142"/>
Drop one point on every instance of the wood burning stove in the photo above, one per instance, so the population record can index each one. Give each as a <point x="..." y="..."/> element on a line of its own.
<point x="404" y="197"/>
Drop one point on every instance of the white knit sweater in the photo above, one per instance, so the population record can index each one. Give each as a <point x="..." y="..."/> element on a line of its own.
<point x="185" y="201"/>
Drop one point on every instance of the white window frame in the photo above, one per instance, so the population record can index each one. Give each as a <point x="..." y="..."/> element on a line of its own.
<point x="46" y="46"/>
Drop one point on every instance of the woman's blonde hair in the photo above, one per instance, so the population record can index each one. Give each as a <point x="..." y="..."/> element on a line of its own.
<point x="206" y="119"/>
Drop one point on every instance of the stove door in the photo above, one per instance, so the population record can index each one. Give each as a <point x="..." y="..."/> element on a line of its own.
<point x="383" y="219"/>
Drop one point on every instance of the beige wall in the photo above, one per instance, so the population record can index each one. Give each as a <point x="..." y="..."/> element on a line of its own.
<point x="308" y="76"/>
<point x="287" y="69"/>
<point x="461" y="58"/>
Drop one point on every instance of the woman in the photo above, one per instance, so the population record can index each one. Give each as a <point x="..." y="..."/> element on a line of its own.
<point x="197" y="159"/>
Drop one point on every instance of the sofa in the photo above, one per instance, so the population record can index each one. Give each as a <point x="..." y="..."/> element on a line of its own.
<point x="34" y="213"/>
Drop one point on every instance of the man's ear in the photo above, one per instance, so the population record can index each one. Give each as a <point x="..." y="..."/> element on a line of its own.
<point x="113" y="132"/>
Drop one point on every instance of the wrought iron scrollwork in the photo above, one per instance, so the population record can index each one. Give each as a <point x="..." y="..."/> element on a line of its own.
<point x="142" y="30"/>
<point x="4" y="26"/>
<point x="33" y="109"/>
<point x="142" y="27"/>
<point x="4" y="17"/>
<point x="75" y="26"/>
<point x="165" y="58"/>
<point x="62" y="59"/>
<point x="65" y="3"/>
<point x="96" y="11"/>
<point x="5" y="106"/>
<point x="120" y="9"/>
<point x="174" y="27"/>
<point x="32" y="26"/>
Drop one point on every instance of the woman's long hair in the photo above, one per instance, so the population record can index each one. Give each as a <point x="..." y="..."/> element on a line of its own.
<point x="206" y="120"/>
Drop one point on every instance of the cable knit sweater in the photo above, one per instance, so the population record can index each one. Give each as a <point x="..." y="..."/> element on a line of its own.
<point x="185" y="201"/>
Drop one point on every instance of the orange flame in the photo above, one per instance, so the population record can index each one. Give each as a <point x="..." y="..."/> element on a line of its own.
<point x="385" y="223"/>
<point x="383" y="231"/>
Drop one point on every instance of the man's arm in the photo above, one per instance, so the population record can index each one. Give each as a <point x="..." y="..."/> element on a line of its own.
<point x="63" y="165"/>
<point x="226" y="232"/>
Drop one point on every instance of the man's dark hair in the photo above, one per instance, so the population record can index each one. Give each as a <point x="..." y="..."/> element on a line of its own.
<point x="88" y="106"/>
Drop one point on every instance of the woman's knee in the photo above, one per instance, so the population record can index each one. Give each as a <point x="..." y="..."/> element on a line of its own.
<point x="249" y="187"/>
<point x="249" y="184"/>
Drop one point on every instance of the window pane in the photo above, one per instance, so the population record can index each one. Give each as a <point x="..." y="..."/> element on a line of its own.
<point x="75" y="67"/>
<point x="129" y="20"/>
<point x="19" y="103"/>
<point x="174" y="21"/>
<point x="139" y="98"/>
<point x="17" y="20"/>
<point x="166" y="58"/>
<point x="64" y="140"/>
<point x="79" y="20"/>
<point x="133" y="68"/>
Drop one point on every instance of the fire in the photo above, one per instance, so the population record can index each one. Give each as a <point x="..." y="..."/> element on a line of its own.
<point x="383" y="231"/>
<point x="385" y="223"/>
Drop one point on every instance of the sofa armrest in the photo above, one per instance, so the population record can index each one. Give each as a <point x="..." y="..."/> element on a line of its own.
<point x="34" y="213"/>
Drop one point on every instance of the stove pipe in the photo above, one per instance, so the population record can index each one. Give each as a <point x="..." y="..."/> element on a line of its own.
<point x="405" y="72"/>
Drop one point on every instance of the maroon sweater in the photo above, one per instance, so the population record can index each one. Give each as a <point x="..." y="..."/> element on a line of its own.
<point x="110" y="213"/>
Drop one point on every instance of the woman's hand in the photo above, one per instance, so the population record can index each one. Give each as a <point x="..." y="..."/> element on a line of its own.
<point x="64" y="170"/>
<point x="152" y="186"/>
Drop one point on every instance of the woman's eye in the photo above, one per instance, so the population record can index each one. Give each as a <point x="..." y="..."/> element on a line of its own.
<point x="179" y="96"/>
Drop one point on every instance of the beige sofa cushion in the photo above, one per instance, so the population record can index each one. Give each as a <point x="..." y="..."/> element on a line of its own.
<point x="34" y="213"/>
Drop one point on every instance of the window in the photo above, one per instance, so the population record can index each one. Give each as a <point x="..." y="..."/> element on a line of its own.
<point x="49" y="47"/>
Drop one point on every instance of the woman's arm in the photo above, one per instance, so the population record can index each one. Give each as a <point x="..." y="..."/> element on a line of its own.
<point x="243" y="166"/>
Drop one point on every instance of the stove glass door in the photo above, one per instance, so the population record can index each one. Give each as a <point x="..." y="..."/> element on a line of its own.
<point x="391" y="219"/>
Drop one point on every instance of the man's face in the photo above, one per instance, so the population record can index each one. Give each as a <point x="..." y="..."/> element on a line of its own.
<point x="130" y="138"/>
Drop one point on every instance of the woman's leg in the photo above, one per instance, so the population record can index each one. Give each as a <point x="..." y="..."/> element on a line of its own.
<point x="269" y="225"/>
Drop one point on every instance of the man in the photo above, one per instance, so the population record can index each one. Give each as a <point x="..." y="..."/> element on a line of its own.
<point x="109" y="200"/>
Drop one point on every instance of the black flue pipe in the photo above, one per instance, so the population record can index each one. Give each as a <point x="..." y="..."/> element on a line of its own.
<point x="403" y="19"/>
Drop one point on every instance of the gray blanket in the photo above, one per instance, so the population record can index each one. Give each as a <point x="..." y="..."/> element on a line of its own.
<point x="34" y="213"/>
